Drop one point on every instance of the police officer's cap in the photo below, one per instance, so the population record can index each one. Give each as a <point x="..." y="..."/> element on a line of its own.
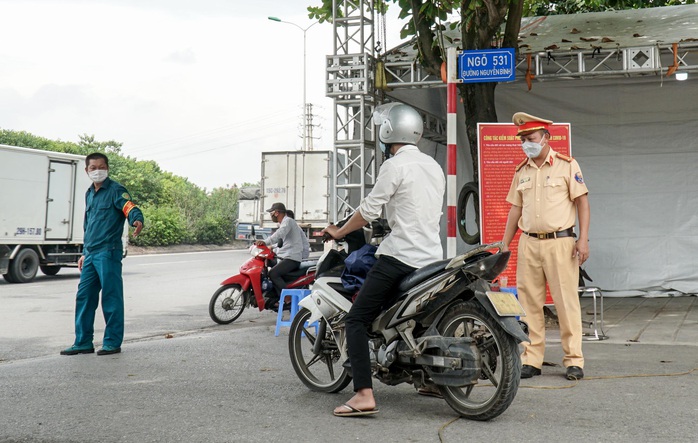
<point x="528" y="123"/>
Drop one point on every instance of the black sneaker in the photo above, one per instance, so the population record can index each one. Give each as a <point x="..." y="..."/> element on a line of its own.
<point x="574" y="373"/>
<point x="528" y="371"/>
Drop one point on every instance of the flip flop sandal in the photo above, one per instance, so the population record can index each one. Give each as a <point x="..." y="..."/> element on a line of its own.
<point x="354" y="412"/>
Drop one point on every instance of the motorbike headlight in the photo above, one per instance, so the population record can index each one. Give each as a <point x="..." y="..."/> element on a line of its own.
<point x="488" y="268"/>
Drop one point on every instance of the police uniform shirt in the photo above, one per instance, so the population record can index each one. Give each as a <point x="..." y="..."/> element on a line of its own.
<point x="546" y="194"/>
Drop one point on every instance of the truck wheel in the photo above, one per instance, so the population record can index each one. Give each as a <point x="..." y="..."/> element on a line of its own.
<point x="24" y="266"/>
<point x="50" y="270"/>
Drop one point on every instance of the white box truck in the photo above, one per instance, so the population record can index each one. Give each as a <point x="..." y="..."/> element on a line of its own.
<point x="248" y="226"/>
<point x="42" y="201"/>
<point x="301" y="181"/>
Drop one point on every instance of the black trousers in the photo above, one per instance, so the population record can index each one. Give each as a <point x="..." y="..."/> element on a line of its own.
<point x="276" y="274"/>
<point x="379" y="288"/>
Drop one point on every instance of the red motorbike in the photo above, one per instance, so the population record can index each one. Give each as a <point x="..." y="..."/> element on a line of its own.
<point x="235" y="293"/>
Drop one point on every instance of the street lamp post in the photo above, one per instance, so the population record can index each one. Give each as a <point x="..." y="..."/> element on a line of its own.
<point x="305" y="105"/>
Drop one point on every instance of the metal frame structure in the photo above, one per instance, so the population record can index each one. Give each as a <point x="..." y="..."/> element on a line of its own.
<point x="582" y="63"/>
<point x="587" y="63"/>
<point x="350" y="73"/>
<point x="351" y="83"/>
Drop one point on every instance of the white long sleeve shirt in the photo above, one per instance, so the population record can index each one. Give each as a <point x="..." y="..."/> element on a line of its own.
<point x="411" y="185"/>
<point x="292" y="235"/>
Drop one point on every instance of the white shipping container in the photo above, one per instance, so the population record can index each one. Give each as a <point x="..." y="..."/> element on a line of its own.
<point x="301" y="181"/>
<point x="42" y="196"/>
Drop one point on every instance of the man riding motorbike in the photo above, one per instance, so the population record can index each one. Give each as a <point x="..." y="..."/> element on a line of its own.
<point x="289" y="255"/>
<point x="411" y="186"/>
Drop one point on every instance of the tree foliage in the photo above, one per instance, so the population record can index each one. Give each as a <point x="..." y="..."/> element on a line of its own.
<point x="537" y="7"/>
<point x="176" y="210"/>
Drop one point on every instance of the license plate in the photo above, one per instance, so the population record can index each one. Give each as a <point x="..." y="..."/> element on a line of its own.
<point x="506" y="304"/>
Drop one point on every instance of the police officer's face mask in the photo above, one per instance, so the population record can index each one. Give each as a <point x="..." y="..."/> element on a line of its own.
<point x="532" y="149"/>
<point x="98" y="175"/>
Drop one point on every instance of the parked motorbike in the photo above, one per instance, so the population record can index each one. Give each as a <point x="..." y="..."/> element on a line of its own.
<point x="248" y="288"/>
<point x="446" y="327"/>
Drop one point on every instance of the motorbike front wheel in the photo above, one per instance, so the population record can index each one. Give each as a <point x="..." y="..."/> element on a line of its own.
<point x="501" y="363"/>
<point x="227" y="304"/>
<point x="322" y="372"/>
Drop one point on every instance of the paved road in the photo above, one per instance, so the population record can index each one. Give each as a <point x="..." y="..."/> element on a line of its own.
<point x="164" y="293"/>
<point x="235" y="383"/>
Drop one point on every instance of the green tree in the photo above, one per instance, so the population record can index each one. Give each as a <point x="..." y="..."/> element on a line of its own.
<point x="535" y="8"/>
<point x="176" y="210"/>
<point x="218" y="223"/>
<point x="89" y="144"/>
<point x="164" y="226"/>
<point x="26" y="140"/>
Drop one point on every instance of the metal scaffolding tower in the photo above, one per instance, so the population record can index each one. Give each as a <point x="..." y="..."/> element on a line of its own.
<point x="350" y="72"/>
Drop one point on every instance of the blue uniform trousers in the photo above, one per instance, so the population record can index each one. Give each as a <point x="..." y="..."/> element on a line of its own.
<point x="101" y="270"/>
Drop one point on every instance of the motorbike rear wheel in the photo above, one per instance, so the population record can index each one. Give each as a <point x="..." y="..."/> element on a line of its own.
<point x="501" y="363"/>
<point x="323" y="372"/>
<point x="227" y="304"/>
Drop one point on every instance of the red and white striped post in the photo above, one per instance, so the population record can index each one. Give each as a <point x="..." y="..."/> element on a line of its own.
<point x="451" y="153"/>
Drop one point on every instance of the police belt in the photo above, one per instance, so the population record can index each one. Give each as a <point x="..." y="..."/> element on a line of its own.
<point x="569" y="232"/>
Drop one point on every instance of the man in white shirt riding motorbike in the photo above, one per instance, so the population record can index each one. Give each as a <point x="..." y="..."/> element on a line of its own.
<point x="411" y="186"/>
<point x="289" y="255"/>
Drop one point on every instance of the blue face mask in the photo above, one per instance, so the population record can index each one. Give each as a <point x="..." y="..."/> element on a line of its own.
<point x="385" y="149"/>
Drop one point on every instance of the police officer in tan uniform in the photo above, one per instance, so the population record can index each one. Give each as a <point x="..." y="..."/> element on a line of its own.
<point x="547" y="195"/>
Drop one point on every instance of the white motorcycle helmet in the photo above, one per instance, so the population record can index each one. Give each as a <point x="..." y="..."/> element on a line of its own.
<point x="399" y="123"/>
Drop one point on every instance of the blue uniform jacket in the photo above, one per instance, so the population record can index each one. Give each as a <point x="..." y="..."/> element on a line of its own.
<point x="105" y="211"/>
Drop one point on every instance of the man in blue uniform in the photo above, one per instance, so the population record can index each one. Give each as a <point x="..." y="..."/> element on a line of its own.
<point x="107" y="205"/>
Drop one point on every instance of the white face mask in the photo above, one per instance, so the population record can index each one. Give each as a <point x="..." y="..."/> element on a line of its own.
<point x="98" y="175"/>
<point x="532" y="149"/>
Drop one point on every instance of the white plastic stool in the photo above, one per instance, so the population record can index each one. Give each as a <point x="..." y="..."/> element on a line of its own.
<point x="596" y="325"/>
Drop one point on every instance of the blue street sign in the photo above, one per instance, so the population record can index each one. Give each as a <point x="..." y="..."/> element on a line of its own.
<point x="487" y="65"/>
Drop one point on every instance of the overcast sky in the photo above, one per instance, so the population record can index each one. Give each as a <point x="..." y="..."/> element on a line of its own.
<point x="200" y="86"/>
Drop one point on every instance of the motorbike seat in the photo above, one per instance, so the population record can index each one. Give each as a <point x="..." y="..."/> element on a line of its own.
<point x="302" y="270"/>
<point x="344" y="292"/>
<point x="422" y="274"/>
<point x="307" y="264"/>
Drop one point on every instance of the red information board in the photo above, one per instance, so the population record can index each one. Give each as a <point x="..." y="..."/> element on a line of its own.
<point x="499" y="154"/>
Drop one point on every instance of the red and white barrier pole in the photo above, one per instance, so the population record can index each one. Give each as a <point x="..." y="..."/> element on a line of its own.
<point x="451" y="154"/>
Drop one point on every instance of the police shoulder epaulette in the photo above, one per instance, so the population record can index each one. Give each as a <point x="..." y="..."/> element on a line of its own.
<point x="521" y="165"/>
<point x="564" y="157"/>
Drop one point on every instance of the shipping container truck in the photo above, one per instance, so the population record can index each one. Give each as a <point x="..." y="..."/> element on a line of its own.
<point x="301" y="181"/>
<point x="42" y="196"/>
<point x="248" y="224"/>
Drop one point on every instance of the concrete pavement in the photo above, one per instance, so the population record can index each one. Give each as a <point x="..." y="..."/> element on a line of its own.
<point x="235" y="383"/>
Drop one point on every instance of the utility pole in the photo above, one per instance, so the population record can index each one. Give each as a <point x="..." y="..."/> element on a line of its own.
<point x="306" y="116"/>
